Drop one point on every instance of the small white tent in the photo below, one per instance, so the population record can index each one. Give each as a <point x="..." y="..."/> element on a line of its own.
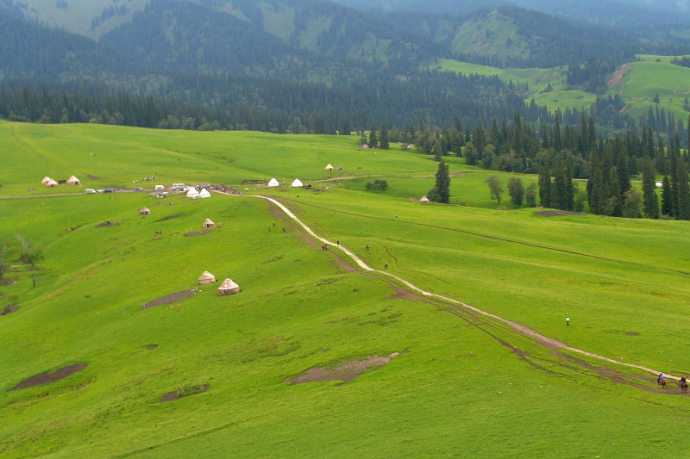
<point x="424" y="200"/>
<point x="273" y="183"/>
<point x="51" y="183"/>
<point x="73" y="181"/>
<point x="229" y="287"/>
<point x="329" y="168"/>
<point x="297" y="183"/>
<point x="207" y="278"/>
<point x="204" y="194"/>
<point x="45" y="180"/>
<point x="192" y="193"/>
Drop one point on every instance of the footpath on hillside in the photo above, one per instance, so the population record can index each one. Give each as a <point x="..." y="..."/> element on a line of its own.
<point x="541" y="339"/>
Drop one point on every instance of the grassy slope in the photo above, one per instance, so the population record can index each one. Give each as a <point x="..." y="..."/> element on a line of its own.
<point x="647" y="78"/>
<point x="494" y="35"/>
<point x="452" y="395"/>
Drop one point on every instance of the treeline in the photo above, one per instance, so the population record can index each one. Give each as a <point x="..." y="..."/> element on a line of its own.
<point x="683" y="61"/>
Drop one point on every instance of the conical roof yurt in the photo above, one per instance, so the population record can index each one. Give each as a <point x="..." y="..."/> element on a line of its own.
<point x="73" y="181"/>
<point x="204" y="194"/>
<point x="329" y="167"/>
<point x="273" y="183"/>
<point x="208" y="223"/>
<point x="144" y="211"/>
<point x="45" y="180"/>
<point x="207" y="278"/>
<point x="51" y="183"/>
<point x="192" y="193"/>
<point x="424" y="200"/>
<point x="297" y="183"/>
<point x="228" y="287"/>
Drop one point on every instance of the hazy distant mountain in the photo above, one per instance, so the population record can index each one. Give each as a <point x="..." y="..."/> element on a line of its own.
<point x="605" y="12"/>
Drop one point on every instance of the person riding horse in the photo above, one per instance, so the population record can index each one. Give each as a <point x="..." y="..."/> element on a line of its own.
<point x="683" y="384"/>
<point x="661" y="380"/>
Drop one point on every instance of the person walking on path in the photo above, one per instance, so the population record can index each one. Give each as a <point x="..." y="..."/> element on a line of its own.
<point x="567" y="321"/>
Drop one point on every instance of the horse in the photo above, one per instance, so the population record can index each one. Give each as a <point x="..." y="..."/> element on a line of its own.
<point x="684" y="387"/>
<point x="661" y="382"/>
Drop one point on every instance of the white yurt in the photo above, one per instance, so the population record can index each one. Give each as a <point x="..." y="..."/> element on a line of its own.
<point x="297" y="183"/>
<point x="207" y="278"/>
<point x="424" y="200"/>
<point x="228" y="287"/>
<point x="329" y="167"/>
<point x="273" y="183"/>
<point x="51" y="183"/>
<point x="204" y="194"/>
<point x="192" y="193"/>
<point x="45" y="180"/>
<point x="209" y="224"/>
<point x="73" y="181"/>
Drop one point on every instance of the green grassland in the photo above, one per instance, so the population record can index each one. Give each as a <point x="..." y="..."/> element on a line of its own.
<point x="464" y="385"/>
<point x="494" y="35"/>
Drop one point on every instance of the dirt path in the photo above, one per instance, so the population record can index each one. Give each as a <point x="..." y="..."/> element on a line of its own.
<point x="522" y="329"/>
<point x="618" y="76"/>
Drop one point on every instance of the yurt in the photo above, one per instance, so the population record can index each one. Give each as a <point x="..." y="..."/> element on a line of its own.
<point x="273" y="183"/>
<point x="192" y="193"/>
<point x="204" y="194"/>
<point x="209" y="224"/>
<point x="144" y="211"/>
<point x="329" y="168"/>
<point x="228" y="287"/>
<point x="51" y="183"/>
<point x="207" y="278"/>
<point x="73" y="181"/>
<point x="297" y="183"/>
<point x="45" y="180"/>
<point x="424" y="200"/>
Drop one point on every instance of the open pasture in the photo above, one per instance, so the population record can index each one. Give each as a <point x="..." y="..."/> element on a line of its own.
<point x="462" y="384"/>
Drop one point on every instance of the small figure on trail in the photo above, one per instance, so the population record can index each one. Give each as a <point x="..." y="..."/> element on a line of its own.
<point x="385" y="265"/>
<point x="338" y="242"/>
<point x="326" y="247"/>
<point x="683" y="383"/>
<point x="284" y="229"/>
<point x="274" y="224"/>
<point x="567" y="321"/>
<point x="367" y="246"/>
<point x="269" y="229"/>
<point x="661" y="380"/>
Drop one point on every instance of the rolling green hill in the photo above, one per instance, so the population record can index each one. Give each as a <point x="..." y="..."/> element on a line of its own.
<point x="448" y="380"/>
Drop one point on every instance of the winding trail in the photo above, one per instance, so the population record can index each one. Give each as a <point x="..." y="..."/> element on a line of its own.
<point x="522" y="329"/>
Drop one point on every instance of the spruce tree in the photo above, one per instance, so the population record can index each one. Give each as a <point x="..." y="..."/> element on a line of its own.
<point x="623" y="173"/>
<point x="559" y="191"/>
<point x="597" y="196"/>
<point x="383" y="138"/>
<point x="666" y="197"/>
<point x="613" y="204"/>
<point x="373" y="139"/>
<point x="441" y="192"/>
<point x="516" y="190"/>
<point x="683" y="192"/>
<point x="570" y="189"/>
<point x="545" y="187"/>
<point x="557" y="139"/>
<point x="650" y="201"/>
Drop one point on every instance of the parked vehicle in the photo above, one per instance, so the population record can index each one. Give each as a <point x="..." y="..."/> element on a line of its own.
<point x="137" y="188"/>
<point x="90" y="191"/>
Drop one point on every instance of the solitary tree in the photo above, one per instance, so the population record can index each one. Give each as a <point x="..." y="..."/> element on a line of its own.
<point x="516" y="191"/>
<point x="495" y="187"/>
<point x="441" y="192"/>
<point x="383" y="138"/>
<point x="531" y="195"/>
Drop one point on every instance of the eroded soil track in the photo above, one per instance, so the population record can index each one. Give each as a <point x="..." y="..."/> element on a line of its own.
<point x="545" y="341"/>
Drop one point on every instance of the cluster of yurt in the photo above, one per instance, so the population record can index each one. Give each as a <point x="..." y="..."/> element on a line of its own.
<point x="228" y="287"/>
<point x="194" y="194"/>
<point x="50" y="183"/>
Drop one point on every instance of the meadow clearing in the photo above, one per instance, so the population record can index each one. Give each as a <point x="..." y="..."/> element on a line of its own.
<point x="461" y="384"/>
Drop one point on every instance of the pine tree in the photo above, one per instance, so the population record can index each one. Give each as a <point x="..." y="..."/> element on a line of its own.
<point x="597" y="196"/>
<point x="545" y="187"/>
<point x="666" y="197"/>
<point x="557" y="140"/>
<point x="373" y="139"/>
<point x="383" y="138"/>
<point x="441" y="192"/>
<point x="683" y="192"/>
<point x="516" y="190"/>
<point x="559" y="191"/>
<point x="613" y="204"/>
<point x="649" y="198"/>
<point x="623" y="173"/>
<point x="570" y="189"/>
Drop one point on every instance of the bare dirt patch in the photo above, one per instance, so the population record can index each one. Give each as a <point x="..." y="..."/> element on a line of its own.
<point x="178" y="394"/>
<point x="198" y="233"/>
<point x="108" y="224"/>
<point x="168" y="218"/>
<point x="618" y="76"/>
<point x="558" y="213"/>
<point x="92" y="177"/>
<point x="345" y="265"/>
<point x="170" y="299"/>
<point x="9" y="309"/>
<point x="9" y="281"/>
<point x="48" y="377"/>
<point x="152" y="347"/>
<point x="344" y="371"/>
<point x="633" y="334"/>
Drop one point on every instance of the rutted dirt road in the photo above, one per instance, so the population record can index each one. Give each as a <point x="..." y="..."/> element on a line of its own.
<point x="522" y="329"/>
